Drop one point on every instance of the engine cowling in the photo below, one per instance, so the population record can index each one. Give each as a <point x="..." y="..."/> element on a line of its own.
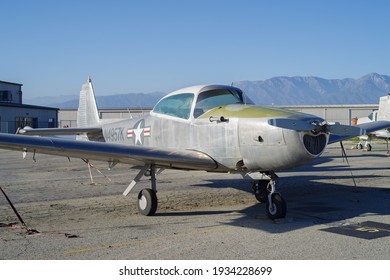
<point x="264" y="147"/>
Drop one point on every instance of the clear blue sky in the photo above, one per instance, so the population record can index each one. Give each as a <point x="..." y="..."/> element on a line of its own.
<point x="143" y="46"/>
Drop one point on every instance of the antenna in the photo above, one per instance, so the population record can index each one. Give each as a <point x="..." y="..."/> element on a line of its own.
<point x="128" y="110"/>
<point x="244" y="98"/>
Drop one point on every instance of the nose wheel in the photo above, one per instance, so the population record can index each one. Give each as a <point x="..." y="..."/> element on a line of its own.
<point x="276" y="207"/>
<point x="265" y="192"/>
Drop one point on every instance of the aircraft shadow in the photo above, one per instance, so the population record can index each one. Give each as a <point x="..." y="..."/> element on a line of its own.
<point x="190" y="213"/>
<point x="308" y="204"/>
<point x="324" y="204"/>
<point x="320" y="196"/>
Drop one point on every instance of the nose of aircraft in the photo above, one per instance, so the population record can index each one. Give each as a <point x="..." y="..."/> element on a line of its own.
<point x="300" y="147"/>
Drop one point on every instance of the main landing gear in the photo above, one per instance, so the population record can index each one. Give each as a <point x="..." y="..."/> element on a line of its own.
<point x="147" y="202"/>
<point x="367" y="146"/>
<point x="265" y="192"/>
<point x="147" y="198"/>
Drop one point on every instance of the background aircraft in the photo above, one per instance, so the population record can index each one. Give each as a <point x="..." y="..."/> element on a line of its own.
<point x="382" y="114"/>
<point x="213" y="128"/>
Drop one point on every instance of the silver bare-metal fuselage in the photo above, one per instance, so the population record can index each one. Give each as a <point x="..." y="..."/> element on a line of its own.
<point x="238" y="137"/>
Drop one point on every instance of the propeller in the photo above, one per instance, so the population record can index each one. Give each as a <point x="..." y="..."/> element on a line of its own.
<point x="317" y="127"/>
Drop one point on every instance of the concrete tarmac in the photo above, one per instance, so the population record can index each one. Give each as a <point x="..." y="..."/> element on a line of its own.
<point x="200" y="215"/>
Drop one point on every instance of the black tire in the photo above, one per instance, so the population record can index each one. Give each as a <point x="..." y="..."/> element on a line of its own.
<point x="147" y="202"/>
<point x="369" y="147"/>
<point x="278" y="209"/>
<point x="260" y="190"/>
<point x="359" y="146"/>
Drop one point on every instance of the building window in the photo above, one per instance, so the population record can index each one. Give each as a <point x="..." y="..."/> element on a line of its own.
<point x="5" y="96"/>
<point x="26" y="121"/>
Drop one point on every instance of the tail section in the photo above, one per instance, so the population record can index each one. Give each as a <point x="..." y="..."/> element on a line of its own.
<point x="87" y="113"/>
<point x="384" y="108"/>
<point x="382" y="114"/>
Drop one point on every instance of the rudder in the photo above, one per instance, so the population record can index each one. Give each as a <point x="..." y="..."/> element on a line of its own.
<point x="87" y="113"/>
<point x="384" y="108"/>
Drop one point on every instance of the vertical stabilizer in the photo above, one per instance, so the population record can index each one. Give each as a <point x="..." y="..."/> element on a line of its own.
<point x="87" y="113"/>
<point x="384" y="108"/>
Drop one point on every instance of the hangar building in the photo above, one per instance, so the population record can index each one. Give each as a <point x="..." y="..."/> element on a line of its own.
<point x="15" y="114"/>
<point x="344" y="114"/>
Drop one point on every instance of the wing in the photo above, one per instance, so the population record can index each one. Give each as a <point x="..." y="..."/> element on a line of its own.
<point x="133" y="155"/>
<point x="367" y="127"/>
<point x="93" y="133"/>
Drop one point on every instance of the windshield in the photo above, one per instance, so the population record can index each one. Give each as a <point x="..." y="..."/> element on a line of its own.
<point x="213" y="98"/>
<point x="175" y="105"/>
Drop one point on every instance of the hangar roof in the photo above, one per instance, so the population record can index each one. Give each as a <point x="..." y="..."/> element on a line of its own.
<point x="9" y="83"/>
<point x="2" y="104"/>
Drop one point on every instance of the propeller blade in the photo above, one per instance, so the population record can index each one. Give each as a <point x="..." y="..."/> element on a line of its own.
<point x="291" y="124"/>
<point x="304" y="125"/>
<point x="340" y="129"/>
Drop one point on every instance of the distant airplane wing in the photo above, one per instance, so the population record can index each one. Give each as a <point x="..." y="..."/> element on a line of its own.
<point x="368" y="127"/>
<point x="133" y="155"/>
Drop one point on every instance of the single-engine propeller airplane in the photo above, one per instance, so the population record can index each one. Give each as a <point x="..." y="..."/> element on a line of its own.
<point x="214" y="128"/>
<point x="382" y="114"/>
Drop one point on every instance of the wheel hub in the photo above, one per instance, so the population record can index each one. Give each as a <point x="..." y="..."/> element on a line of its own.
<point x="142" y="202"/>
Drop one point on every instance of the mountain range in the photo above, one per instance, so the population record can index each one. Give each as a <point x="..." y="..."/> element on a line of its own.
<point x="275" y="91"/>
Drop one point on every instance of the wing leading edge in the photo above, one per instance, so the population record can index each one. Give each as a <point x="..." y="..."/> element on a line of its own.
<point x="133" y="155"/>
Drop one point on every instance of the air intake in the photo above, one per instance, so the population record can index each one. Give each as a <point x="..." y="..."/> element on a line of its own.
<point x="314" y="144"/>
